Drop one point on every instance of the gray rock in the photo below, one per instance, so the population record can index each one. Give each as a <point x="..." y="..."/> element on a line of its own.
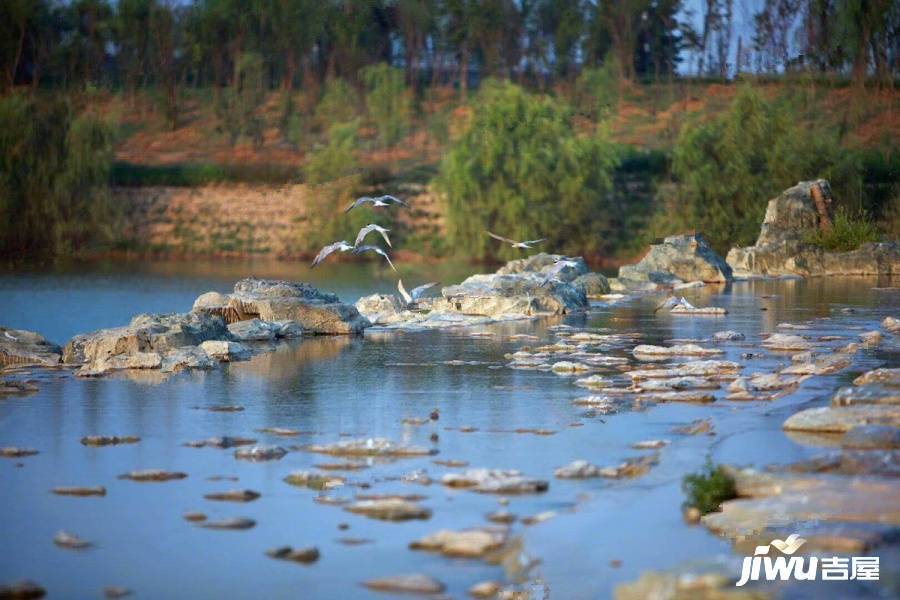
<point x="189" y="357"/>
<point x="233" y="496"/>
<point x="500" y="295"/>
<point x="871" y="393"/>
<point x="678" y="259"/>
<point x="19" y="347"/>
<point x="153" y="475"/>
<point x="728" y="336"/>
<point x="830" y="419"/>
<point x="300" y="555"/>
<point x="465" y="543"/>
<point x="540" y="264"/>
<point x="389" y="509"/>
<point x="406" y="584"/>
<point x="64" y="539"/>
<point x="495" y="481"/>
<point x="22" y="590"/>
<point x="593" y="284"/>
<point x="253" y="330"/>
<point x="260" y="453"/>
<point x="370" y="447"/>
<point x="781" y="249"/>
<point x="381" y="309"/>
<point x="233" y="523"/>
<point x="868" y="437"/>
<point x="225" y="351"/>
<point x="579" y="469"/>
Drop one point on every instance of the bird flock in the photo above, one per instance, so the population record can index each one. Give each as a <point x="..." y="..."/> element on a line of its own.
<point x="411" y="298"/>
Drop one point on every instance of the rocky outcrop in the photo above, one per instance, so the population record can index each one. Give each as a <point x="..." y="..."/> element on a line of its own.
<point x="499" y="295"/>
<point x="540" y="264"/>
<point x="19" y="348"/>
<point x="593" y="284"/>
<point x="316" y="312"/>
<point x="678" y="259"/>
<point x="781" y="248"/>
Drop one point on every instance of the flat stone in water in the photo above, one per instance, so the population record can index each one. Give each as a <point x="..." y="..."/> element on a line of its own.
<point x="226" y="408"/>
<point x="485" y="589"/>
<point x="260" y="453"/>
<point x="828" y="419"/>
<point x="233" y="496"/>
<point x="221" y="441"/>
<point x="280" y="431"/>
<point x="495" y="481"/>
<point x="21" y="590"/>
<point x="370" y="447"/>
<point x="869" y="437"/>
<point x="676" y="350"/>
<point x="695" y="427"/>
<point x="728" y="336"/>
<point x="64" y="539"/>
<point x="194" y="517"/>
<point x="80" y="491"/>
<point x="108" y="440"/>
<point x="389" y="509"/>
<point x="579" y="469"/>
<point x="786" y="342"/>
<point x="466" y="543"/>
<point x="153" y="475"/>
<point x="306" y="555"/>
<point x="313" y="481"/>
<point x="630" y="468"/>
<point x="650" y="444"/>
<point x="14" y="452"/>
<point x="116" y="592"/>
<point x="233" y="523"/>
<point x="890" y="377"/>
<point x="409" y="584"/>
<point x="871" y="393"/>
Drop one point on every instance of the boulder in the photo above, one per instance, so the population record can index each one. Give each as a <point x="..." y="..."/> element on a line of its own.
<point x="272" y="300"/>
<point x="781" y="248"/>
<point x="225" y="351"/>
<point x="679" y="258"/>
<point x="502" y="295"/>
<point x="593" y="284"/>
<point x="19" y="347"/>
<point x="382" y="309"/>
<point x="540" y="264"/>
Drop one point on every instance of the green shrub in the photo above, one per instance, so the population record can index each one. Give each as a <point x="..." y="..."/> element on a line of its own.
<point x="336" y="158"/>
<point x="339" y="104"/>
<point x="597" y="89"/>
<point x="291" y="122"/>
<point x="728" y="168"/>
<point x="387" y="101"/>
<point x="238" y="104"/>
<point x="521" y="171"/>
<point x="848" y="232"/>
<point x="708" y="488"/>
<point x="54" y="169"/>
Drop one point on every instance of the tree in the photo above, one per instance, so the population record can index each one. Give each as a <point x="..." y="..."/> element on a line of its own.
<point x="387" y="101"/>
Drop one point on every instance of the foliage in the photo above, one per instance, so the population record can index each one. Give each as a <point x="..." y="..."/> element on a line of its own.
<point x="291" y="123"/>
<point x="336" y="158"/>
<point x="707" y="489"/>
<point x="727" y="168"/>
<point x="239" y="103"/>
<point x="522" y="172"/>
<point x="126" y="174"/>
<point x="339" y="104"/>
<point x="848" y="232"/>
<point x="597" y="89"/>
<point x="54" y="168"/>
<point x="387" y="101"/>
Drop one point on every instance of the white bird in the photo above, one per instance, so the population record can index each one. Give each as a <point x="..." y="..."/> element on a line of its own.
<point x="369" y="229"/>
<point x="15" y="339"/>
<point x="375" y="249"/>
<point x="341" y="246"/>
<point x="385" y="200"/>
<point x="557" y="268"/>
<point x="523" y="245"/>
<point x="412" y="297"/>
<point x="672" y="301"/>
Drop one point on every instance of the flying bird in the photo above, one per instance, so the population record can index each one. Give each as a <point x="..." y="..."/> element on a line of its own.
<point x="369" y="229"/>
<point x="412" y="297"/>
<point x="557" y="268"/>
<point x="375" y="249"/>
<point x="672" y="301"/>
<point x="385" y="200"/>
<point x="341" y="246"/>
<point x="523" y="245"/>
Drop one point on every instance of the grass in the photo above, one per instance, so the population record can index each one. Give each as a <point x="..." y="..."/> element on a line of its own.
<point x="708" y="488"/>
<point x="848" y="232"/>
<point x="127" y="174"/>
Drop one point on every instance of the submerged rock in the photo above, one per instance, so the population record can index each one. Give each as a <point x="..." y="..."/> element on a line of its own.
<point x="21" y="590"/>
<point x="225" y="351"/>
<point x="64" y="539"/>
<point x="498" y="295"/>
<point x="389" y="509"/>
<point x="221" y="441"/>
<point x="783" y="341"/>
<point x="260" y="453"/>
<point x="233" y="496"/>
<point x="153" y="475"/>
<point x="866" y="394"/>
<point x="313" y="481"/>
<point x="579" y="469"/>
<point x="370" y="447"/>
<point x="108" y="440"/>
<point x="19" y="347"/>
<point x="781" y="248"/>
<point x="306" y="555"/>
<point x="841" y="419"/>
<point x="15" y="452"/>
<point x="889" y="377"/>
<point x="466" y="543"/>
<point x="80" y="491"/>
<point x="678" y="259"/>
<point x="407" y="584"/>
<point x="233" y="523"/>
<point x="872" y="437"/>
<point x="495" y="481"/>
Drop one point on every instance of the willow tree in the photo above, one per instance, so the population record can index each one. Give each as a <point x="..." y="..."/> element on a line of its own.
<point x="521" y="171"/>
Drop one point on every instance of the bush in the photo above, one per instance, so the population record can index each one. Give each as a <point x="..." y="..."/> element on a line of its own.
<point x="239" y="103"/>
<point x="387" y="101"/>
<point x="54" y="169"/>
<point x="848" y="232"/>
<point x="727" y="169"/>
<point x="521" y="171"/>
<point x="708" y="488"/>
<point x="597" y="89"/>
<point x="339" y="104"/>
<point x="336" y="158"/>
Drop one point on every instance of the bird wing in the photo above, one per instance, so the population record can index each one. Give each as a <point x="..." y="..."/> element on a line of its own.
<point x="535" y="241"/>
<point x="324" y="252"/>
<point x="394" y="199"/>
<point x="377" y="250"/>
<point x="363" y="233"/>
<point x="358" y="202"/>
<point x="406" y="297"/>
<point x="501" y="238"/>
<point x="383" y="233"/>
<point x="418" y="291"/>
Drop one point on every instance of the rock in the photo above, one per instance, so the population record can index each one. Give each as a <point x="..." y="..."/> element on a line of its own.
<point x="407" y="584"/>
<point x="253" y="330"/>
<point x="64" y="539"/>
<point x="891" y="324"/>
<point x="889" y="377"/>
<point x="871" y="339"/>
<point x="21" y="590"/>
<point x="677" y="384"/>
<point x="115" y="592"/>
<point x="683" y="586"/>
<point x="313" y="481"/>
<point x="499" y="295"/>
<point x="260" y="453"/>
<point x="466" y="543"/>
<point x="314" y="311"/>
<point x="650" y="444"/>
<point x="767" y="382"/>
<point x="676" y="350"/>
<point x="210" y="301"/>
<point x="594" y="285"/>
<point x="233" y="496"/>
<point x="153" y="475"/>
<point x="679" y="258"/>
<point x="223" y="441"/>
<point x="786" y="342"/>
<point x="579" y="469"/>
<point x="566" y="367"/>
<point x="189" y="357"/>
<point x="389" y="509"/>
<point x="501" y="516"/>
<point x="280" y="431"/>
<point x="824" y="365"/>
<point x="781" y="248"/>
<point x="866" y="394"/>
<point x="194" y="517"/>
<point x="872" y="437"/>
<point x="695" y="427"/>
<point x="234" y="523"/>
<point x="382" y="309"/>
<point x="631" y="467"/>
<point x="80" y="491"/>
<point x="14" y="452"/>
<point x="697" y="368"/>
<point x="225" y="351"/>
<point x="19" y="348"/>
<point x="690" y="396"/>
<point x="370" y="447"/>
<point x="306" y="555"/>
<point x="686" y="308"/>
<point x="829" y="419"/>
<point x="541" y="264"/>
<point x="12" y="386"/>
<point x="495" y="481"/>
<point x="108" y="440"/>
<point x="485" y="589"/>
<point x="728" y="336"/>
